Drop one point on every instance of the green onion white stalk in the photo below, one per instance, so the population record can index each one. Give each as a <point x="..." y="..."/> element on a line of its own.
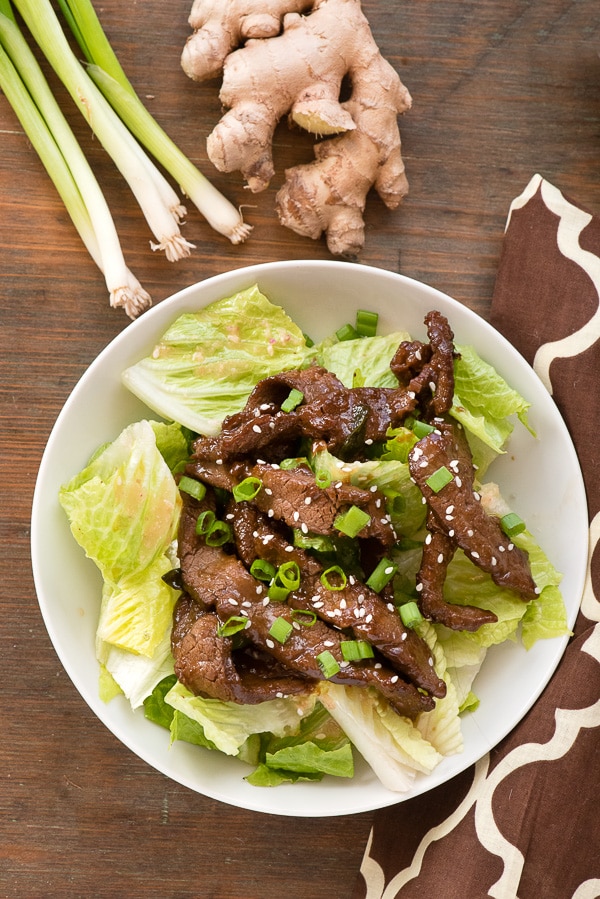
<point x="139" y="172"/>
<point x="27" y="91"/>
<point x="106" y="71"/>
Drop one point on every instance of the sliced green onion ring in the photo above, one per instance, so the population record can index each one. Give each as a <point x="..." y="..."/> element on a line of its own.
<point x="193" y="487"/>
<point x="438" y="480"/>
<point x="328" y="664"/>
<point x="218" y="533"/>
<point x="410" y="614"/>
<point x="232" y="626"/>
<point x="356" y="650"/>
<point x="294" y="398"/>
<point x="205" y="521"/>
<point x="281" y="629"/>
<point x="512" y="524"/>
<point x="381" y="575"/>
<point x="338" y="574"/>
<point x="366" y="323"/>
<point x="352" y="521"/>
<point x="247" y="489"/>
<point x="262" y="570"/>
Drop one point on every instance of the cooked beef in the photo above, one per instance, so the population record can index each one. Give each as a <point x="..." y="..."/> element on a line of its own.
<point x="427" y="370"/>
<point x="229" y="589"/>
<point x="438" y="552"/>
<point x="293" y="496"/>
<point x="190" y="555"/>
<point x="356" y="607"/>
<point x="206" y="664"/>
<point x="344" y="419"/>
<point x="459" y="514"/>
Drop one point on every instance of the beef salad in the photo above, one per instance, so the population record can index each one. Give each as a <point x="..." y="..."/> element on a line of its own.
<point x="305" y="557"/>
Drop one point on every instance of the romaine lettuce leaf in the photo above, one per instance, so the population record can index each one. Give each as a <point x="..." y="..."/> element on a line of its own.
<point x="370" y="357"/>
<point x="124" y="507"/>
<point x="228" y="725"/>
<point x="485" y="404"/>
<point x="207" y="362"/>
<point x="391" y="745"/>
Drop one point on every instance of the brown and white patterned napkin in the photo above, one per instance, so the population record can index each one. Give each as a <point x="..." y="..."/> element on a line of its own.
<point x="524" y="823"/>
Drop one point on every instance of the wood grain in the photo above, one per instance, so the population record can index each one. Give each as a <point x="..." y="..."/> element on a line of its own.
<point x="502" y="89"/>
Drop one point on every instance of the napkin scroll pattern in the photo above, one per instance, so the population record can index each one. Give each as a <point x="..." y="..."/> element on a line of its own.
<point x="522" y="823"/>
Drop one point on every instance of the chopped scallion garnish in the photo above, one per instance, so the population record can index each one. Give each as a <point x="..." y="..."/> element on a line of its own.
<point x="323" y="479"/>
<point x="192" y="487"/>
<point x="381" y="575"/>
<point x="286" y="579"/>
<point x="281" y="629"/>
<point x="293" y="399"/>
<point x="334" y="578"/>
<point x="422" y="429"/>
<point x="366" y="323"/>
<point x="512" y="524"/>
<point x="219" y="533"/>
<point x="355" y="650"/>
<point x="439" y="479"/>
<point x="352" y="521"/>
<point x="205" y="521"/>
<point x="247" y="489"/>
<point x="346" y="332"/>
<point x="305" y="617"/>
<point x="262" y="570"/>
<point x="232" y="626"/>
<point x="410" y="614"/>
<point x="328" y="664"/>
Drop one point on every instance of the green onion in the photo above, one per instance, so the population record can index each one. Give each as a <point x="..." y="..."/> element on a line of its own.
<point x="218" y="533"/>
<point x="232" y="626"/>
<point x="262" y="570"/>
<point x="288" y="464"/>
<point x="438" y="480"/>
<point x="157" y="200"/>
<point x="328" y="664"/>
<point x="366" y="323"/>
<point x="280" y="629"/>
<point x="105" y="70"/>
<point x="381" y="575"/>
<point x="410" y="614"/>
<point x="355" y="650"/>
<point x="422" y="429"/>
<point x="323" y="479"/>
<point x="293" y="399"/>
<point x="318" y="542"/>
<point x="512" y="524"/>
<point x="352" y="521"/>
<point x="346" y="332"/>
<point x="247" y="489"/>
<point x="308" y="340"/>
<point x="205" y="521"/>
<point x="28" y="92"/>
<point x="193" y="487"/>
<point x="287" y="578"/>
<point x="306" y="617"/>
<point x="334" y="572"/>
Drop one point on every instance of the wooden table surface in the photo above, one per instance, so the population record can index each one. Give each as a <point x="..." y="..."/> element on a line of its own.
<point x="502" y="89"/>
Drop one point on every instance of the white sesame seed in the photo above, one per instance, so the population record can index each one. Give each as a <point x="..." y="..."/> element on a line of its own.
<point x="360" y="598"/>
<point x="256" y="429"/>
<point x="419" y="588"/>
<point x="270" y="644"/>
<point x="343" y="603"/>
<point x="268" y="491"/>
<point x="328" y="643"/>
<point x="394" y="679"/>
<point x="474" y="555"/>
<point x="428" y="539"/>
<point x="440" y="558"/>
<point x="391" y="606"/>
<point x="368" y="618"/>
<point x="319" y="604"/>
<point x="368" y="441"/>
<point x="232" y="602"/>
<point x="451" y="532"/>
<point x="404" y="636"/>
<point x="304" y="528"/>
<point x="377" y="665"/>
<point x="458" y="481"/>
<point x="308" y="500"/>
<point x="494" y="560"/>
<point x="289" y="548"/>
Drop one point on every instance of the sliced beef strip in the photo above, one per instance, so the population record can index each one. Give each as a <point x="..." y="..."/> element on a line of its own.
<point x="342" y="418"/>
<point x="293" y="496"/>
<point x="427" y="370"/>
<point x="189" y="549"/>
<point x="459" y="514"/>
<point x="229" y="589"/>
<point x="355" y="607"/>
<point x="438" y="552"/>
<point x="205" y="662"/>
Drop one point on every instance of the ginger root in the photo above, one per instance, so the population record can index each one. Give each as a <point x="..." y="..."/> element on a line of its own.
<point x="294" y="64"/>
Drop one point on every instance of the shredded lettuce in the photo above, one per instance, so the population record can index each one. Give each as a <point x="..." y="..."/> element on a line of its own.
<point x="370" y="357"/>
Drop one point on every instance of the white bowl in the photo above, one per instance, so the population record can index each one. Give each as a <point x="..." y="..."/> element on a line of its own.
<point x="320" y="296"/>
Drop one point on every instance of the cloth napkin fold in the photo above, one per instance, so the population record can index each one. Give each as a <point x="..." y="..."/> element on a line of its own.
<point x="524" y="823"/>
